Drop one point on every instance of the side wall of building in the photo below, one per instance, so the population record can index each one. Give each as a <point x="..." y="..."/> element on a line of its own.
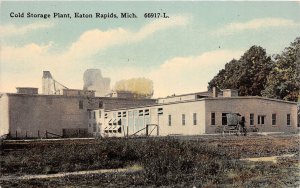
<point x="187" y="118"/>
<point x="4" y="115"/>
<point x="32" y="116"/>
<point x="259" y="107"/>
<point x="172" y="119"/>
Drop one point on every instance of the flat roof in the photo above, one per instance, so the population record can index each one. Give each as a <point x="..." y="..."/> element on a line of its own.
<point x="203" y="93"/>
<point x="75" y="96"/>
<point x="203" y="99"/>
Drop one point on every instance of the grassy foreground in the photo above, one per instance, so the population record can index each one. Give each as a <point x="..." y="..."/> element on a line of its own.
<point x="199" y="162"/>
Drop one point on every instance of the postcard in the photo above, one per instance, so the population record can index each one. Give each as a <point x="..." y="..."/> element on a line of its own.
<point x="149" y="93"/>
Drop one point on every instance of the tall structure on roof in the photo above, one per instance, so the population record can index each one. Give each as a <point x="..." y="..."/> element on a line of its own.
<point x="51" y="86"/>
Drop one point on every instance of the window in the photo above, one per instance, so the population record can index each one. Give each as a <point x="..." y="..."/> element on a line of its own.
<point x="213" y="118"/>
<point x="105" y="115"/>
<point x="261" y="120"/>
<point x="124" y="114"/>
<point x="251" y="119"/>
<point x="80" y="104"/>
<point x="119" y="114"/>
<point x="94" y="127"/>
<point x="94" y="114"/>
<point x="183" y="119"/>
<point x="170" y="120"/>
<point x="224" y="119"/>
<point x="100" y="104"/>
<point x="141" y="112"/>
<point x="273" y="119"/>
<point x="147" y="112"/>
<point x="195" y="118"/>
<point x="288" y="119"/>
<point x="99" y="114"/>
<point x="90" y="115"/>
<point x="160" y="111"/>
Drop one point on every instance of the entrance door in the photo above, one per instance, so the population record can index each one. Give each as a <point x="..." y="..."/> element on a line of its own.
<point x="261" y="121"/>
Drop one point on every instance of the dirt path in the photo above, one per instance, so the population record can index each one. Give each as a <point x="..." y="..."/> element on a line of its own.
<point x="134" y="168"/>
<point x="267" y="159"/>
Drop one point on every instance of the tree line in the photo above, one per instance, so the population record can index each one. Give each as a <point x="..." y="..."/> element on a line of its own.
<point x="257" y="74"/>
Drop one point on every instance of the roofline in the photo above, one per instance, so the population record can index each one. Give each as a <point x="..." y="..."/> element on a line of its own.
<point x="75" y="96"/>
<point x="185" y="94"/>
<point x="202" y="99"/>
<point x="250" y="97"/>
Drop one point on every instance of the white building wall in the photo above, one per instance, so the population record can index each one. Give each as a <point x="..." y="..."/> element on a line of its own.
<point x="253" y="105"/>
<point x="96" y="122"/>
<point x="159" y="115"/>
<point x="4" y="115"/>
<point x="176" y="111"/>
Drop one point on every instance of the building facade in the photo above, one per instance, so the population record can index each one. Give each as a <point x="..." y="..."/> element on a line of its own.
<point x="194" y="115"/>
<point x="32" y="115"/>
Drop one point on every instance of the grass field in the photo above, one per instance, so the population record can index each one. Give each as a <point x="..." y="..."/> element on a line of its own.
<point x="203" y="161"/>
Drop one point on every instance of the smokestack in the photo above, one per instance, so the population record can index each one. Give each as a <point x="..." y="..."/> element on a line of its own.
<point x="215" y="93"/>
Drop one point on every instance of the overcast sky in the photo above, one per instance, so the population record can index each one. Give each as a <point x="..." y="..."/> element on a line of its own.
<point x="181" y="54"/>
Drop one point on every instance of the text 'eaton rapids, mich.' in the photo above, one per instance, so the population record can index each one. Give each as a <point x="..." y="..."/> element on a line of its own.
<point x="81" y="15"/>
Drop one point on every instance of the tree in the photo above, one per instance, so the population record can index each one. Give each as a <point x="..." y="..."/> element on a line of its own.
<point x="248" y="74"/>
<point x="283" y="81"/>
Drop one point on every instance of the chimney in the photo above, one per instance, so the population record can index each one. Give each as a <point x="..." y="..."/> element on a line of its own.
<point x="230" y="93"/>
<point x="215" y="93"/>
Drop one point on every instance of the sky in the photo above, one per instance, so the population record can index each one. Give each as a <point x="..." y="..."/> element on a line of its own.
<point x="180" y="54"/>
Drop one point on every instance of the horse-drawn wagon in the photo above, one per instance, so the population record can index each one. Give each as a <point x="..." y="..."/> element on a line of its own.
<point x="235" y="124"/>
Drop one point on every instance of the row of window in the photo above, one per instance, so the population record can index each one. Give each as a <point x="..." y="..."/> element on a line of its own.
<point x="135" y="113"/>
<point x="183" y="119"/>
<point x="260" y="119"/>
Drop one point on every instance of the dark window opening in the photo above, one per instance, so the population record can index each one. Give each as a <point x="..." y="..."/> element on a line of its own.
<point x="80" y="104"/>
<point x="100" y="104"/>
<point x="147" y="112"/>
<point x="273" y="119"/>
<point x="160" y="111"/>
<point x="213" y="118"/>
<point x="288" y="119"/>
<point x="251" y="119"/>
<point x="119" y="130"/>
<point x="170" y="120"/>
<point x="141" y="112"/>
<point x="195" y="119"/>
<point x="224" y="118"/>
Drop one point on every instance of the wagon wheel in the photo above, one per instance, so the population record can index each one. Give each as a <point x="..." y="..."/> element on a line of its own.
<point x="238" y="129"/>
<point x="245" y="131"/>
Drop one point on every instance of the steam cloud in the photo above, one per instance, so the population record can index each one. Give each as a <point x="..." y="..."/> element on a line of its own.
<point x="93" y="80"/>
<point x="140" y="87"/>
